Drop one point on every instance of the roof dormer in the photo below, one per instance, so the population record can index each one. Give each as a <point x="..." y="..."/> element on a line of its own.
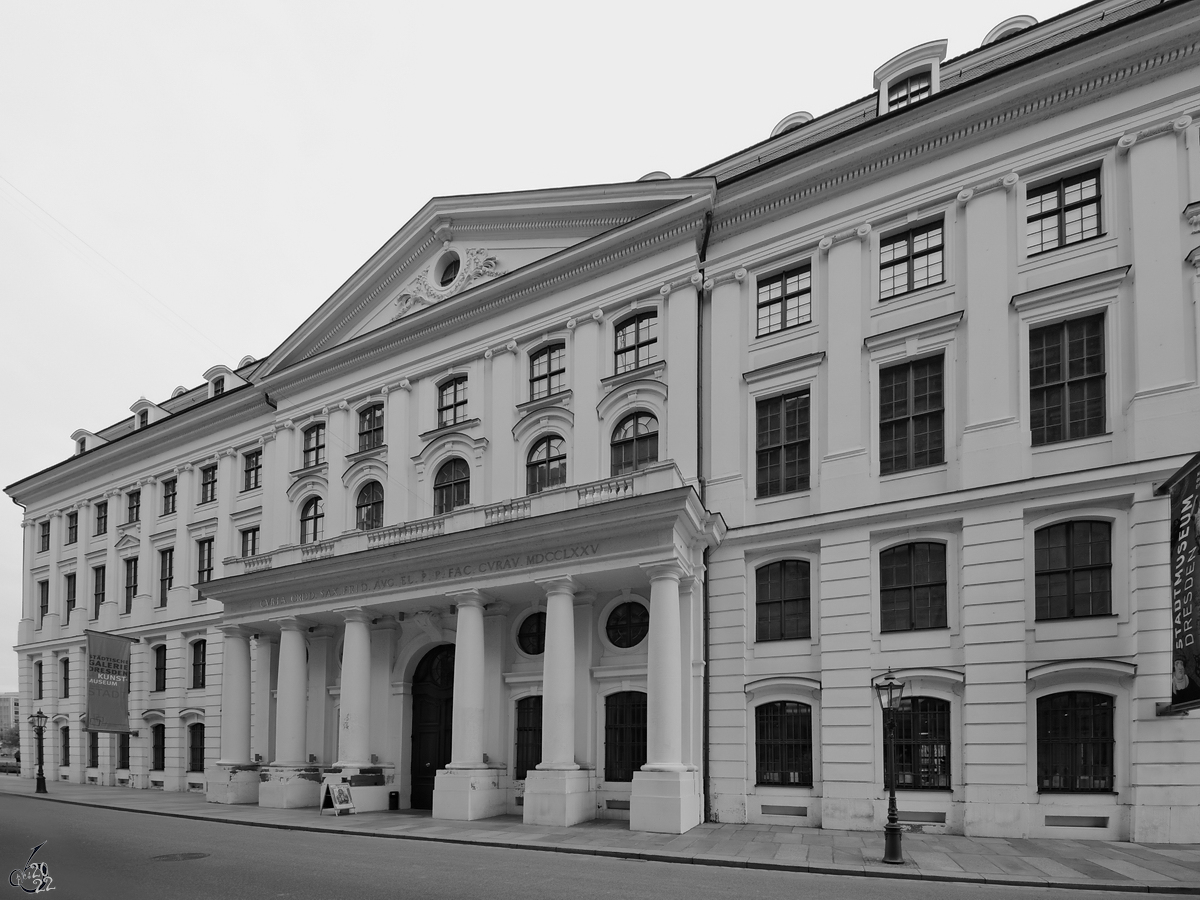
<point x="909" y="77"/>
<point x="1009" y="27"/>
<point x="221" y="379"/>
<point x="791" y="122"/>
<point x="86" y="440"/>
<point x="146" y="413"/>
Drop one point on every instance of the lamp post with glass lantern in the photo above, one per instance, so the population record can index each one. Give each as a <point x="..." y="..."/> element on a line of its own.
<point x="38" y="721"/>
<point x="890" y="690"/>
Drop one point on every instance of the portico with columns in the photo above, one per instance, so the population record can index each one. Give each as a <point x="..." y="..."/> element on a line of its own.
<point x="356" y="636"/>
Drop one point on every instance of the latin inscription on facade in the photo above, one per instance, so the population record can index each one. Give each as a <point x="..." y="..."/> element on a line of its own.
<point x="416" y="577"/>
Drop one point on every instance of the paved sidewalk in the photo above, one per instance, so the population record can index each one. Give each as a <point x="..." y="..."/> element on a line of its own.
<point x="1089" y="865"/>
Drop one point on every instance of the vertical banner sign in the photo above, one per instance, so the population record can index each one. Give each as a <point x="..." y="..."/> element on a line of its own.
<point x="1185" y="657"/>
<point x="107" y="682"/>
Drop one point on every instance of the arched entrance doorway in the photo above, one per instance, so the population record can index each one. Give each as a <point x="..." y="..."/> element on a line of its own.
<point x="433" y="714"/>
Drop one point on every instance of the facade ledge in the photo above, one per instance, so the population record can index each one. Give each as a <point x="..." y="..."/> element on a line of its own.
<point x="379" y="453"/>
<point x="657" y="370"/>
<point x="448" y="429"/>
<point x="1086" y="286"/>
<point x="1062" y="670"/>
<point x="562" y="398"/>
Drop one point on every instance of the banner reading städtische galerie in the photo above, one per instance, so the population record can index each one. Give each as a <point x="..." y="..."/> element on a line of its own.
<point x="107" y="682"/>
<point x="1185" y="658"/>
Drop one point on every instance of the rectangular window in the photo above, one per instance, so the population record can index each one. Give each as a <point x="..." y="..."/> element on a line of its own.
<point x="1073" y="570"/>
<point x="218" y="386"/>
<point x="168" y="496"/>
<point x="65" y="668"/>
<point x="196" y="747"/>
<point x="1063" y="212"/>
<point x="99" y="574"/>
<point x="250" y="542"/>
<point x="158" y="747"/>
<point x="548" y="371"/>
<point x="102" y="517"/>
<point x="166" y="573"/>
<point x="43" y="598"/>
<point x="64" y="739"/>
<point x="922" y="745"/>
<point x="43" y="537"/>
<point x="69" y="585"/>
<point x="314" y="445"/>
<point x="785" y="300"/>
<point x="452" y="402"/>
<point x="131" y="583"/>
<point x="636" y="342"/>
<point x="906" y="91"/>
<point x="72" y="527"/>
<point x="912" y="580"/>
<point x="1066" y="380"/>
<point x="910" y="260"/>
<point x="123" y="751"/>
<point x="529" y="736"/>
<point x="208" y="484"/>
<point x="199" y="663"/>
<point x="204" y="568"/>
<point x="783" y="744"/>
<point x="38" y="689"/>
<point x="911" y="418"/>
<point x="370" y="427"/>
<point x="782" y="445"/>
<point x="782" y="601"/>
<point x="252" y="470"/>
<point x="160" y="667"/>
<point x="134" y="507"/>
<point x="1075" y="742"/>
<point x="93" y="749"/>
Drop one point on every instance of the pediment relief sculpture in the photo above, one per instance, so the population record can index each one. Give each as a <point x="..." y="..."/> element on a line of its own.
<point x="426" y="289"/>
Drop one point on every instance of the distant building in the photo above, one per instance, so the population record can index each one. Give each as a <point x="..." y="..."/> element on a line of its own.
<point x="10" y="710"/>
<point x="615" y="501"/>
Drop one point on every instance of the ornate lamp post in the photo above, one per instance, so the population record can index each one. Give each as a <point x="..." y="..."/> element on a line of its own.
<point x="890" y="692"/>
<point x="38" y="721"/>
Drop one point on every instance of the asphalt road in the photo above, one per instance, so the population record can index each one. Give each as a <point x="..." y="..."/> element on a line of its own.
<point x="99" y="854"/>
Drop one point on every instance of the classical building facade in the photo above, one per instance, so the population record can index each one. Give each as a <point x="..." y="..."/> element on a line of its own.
<point x="615" y="501"/>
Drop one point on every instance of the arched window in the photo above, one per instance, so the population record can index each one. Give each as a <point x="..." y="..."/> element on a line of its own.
<point x="158" y="747"/>
<point x="529" y="735"/>
<point x="312" y="521"/>
<point x="199" y="663"/>
<point x="370" y="428"/>
<point x="547" y="371"/>
<point x="531" y="637"/>
<point x="314" y="445"/>
<point x="922" y="745"/>
<point x="452" y="402"/>
<point x="624" y="735"/>
<point x="636" y="342"/>
<point x="1075" y="742"/>
<point x="370" y="506"/>
<point x="783" y="744"/>
<point x="196" y="747"/>
<point x="782" y="601"/>
<point x="547" y="465"/>
<point x="912" y="587"/>
<point x="451" y="486"/>
<point x="628" y="625"/>
<point x="1073" y="570"/>
<point x="634" y="443"/>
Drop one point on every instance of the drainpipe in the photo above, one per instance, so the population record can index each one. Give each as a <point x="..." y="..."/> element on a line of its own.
<point x="704" y="713"/>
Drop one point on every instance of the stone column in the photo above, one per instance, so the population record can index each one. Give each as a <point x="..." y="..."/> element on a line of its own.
<point x="291" y="704"/>
<point x="235" y="777"/>
<point x="558" y="792"/>
<point x="356" y="690"/>
<point x="468" y="788"/>
<point x="666" y="795"/>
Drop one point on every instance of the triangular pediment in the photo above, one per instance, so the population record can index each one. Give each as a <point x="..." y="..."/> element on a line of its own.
<point x="128" y="542"/>
<point x="457" y="244"/>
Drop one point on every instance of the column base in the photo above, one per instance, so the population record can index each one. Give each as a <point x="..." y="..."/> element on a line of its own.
<point x="232" y="784"/>
<point x="289" y="787"/>
<point x="665" y="802"/>
<point x="468" y="794"/>
<point x="559" y="797"/>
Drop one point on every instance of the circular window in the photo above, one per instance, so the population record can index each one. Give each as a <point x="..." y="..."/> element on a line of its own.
<point x="628" y="625"/>
<point x="447" y="269"/>
<point x="531" y="637"/>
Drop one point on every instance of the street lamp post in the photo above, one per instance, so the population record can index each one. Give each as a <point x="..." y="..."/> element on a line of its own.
<point x="890" y="691"/>
<point x="38" y="721"/>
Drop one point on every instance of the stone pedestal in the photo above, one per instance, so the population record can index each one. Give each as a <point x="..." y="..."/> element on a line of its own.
<point x="664" y="802"/>
<point x="468" y="794"/>
<point x="232" y="784"/>
<point x="289" y="787"/>
<point x="559" y="797"/>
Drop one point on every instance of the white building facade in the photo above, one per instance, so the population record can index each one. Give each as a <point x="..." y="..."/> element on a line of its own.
<point x="614" y="501"/>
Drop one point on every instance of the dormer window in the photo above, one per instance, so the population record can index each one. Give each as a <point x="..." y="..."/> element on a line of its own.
<point x="909" y="77"/>
<point x="80" y="446"/>
<point x="218" y="386"/>
<point x="909" y="90"/>
<point x="143" y="418"/>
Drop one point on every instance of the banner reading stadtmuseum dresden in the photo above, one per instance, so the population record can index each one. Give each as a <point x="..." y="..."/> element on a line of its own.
<point x="107" y="682"/>
<point x="1185" y="658"/>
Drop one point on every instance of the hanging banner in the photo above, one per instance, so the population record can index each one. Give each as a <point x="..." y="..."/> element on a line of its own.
<point x="1185" y="657"/>
<point x="107" y="682"/>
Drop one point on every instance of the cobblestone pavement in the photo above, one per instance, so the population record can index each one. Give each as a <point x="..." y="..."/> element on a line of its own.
<point x="1091" y="865"/>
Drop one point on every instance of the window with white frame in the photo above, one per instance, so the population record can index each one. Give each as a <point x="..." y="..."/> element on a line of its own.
<point x="548" y="371"/>
<point x="452" y="402"/>
<point x="912" y="587"/>
<point x="911" y="415"/>
<point x="911" y="259"/>
<point x="1063" y="211"/>
<point x="785" y="300"/>
<point x="636" y="342"/>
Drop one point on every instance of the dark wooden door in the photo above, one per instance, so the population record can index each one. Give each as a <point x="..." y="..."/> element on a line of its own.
<point x="433" y="714"/>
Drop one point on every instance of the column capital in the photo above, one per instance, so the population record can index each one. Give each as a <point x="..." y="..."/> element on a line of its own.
<point x="497" y="608"/>
<point x="323" y="632"/>
<point x="292" y="623"/>
<point x="585" y="598"/>
<point x="472" y="597"/>
<point x="357" y="614"/>
<point x="674" y="569"/>
<point x="385" y="623"/>
<point x="235" y="631"/>
<point x="558" y="584"/>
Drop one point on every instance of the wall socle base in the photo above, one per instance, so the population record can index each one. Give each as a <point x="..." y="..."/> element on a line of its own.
<point x="468" y="794"/>
<point x="289" y="787"/>
<point x="232" y="783"/>
<point x="558" y="797"/>
<point x="664" y="802"/>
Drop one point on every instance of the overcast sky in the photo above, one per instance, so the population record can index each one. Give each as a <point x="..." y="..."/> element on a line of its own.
<point x="182" y="184"/>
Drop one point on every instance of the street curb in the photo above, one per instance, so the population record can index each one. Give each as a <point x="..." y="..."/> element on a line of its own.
<point x="737" y="862"/>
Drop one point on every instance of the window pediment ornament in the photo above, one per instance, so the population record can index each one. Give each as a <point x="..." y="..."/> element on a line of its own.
<point x="1097" y="670"/>
<point x="478" y="264"/>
